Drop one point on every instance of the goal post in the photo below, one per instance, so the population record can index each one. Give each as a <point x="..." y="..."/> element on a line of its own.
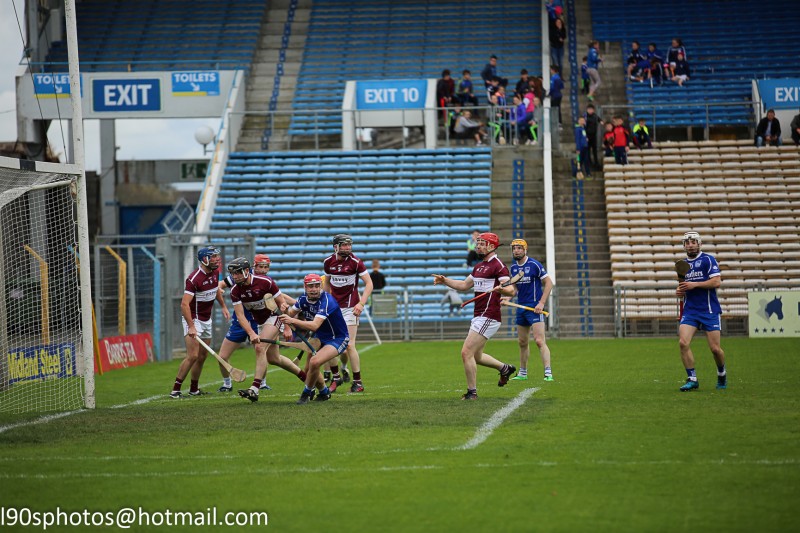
<point x="46" y="363"/>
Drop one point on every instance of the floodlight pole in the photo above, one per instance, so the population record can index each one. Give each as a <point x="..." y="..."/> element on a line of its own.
<point x="78" y="159"/>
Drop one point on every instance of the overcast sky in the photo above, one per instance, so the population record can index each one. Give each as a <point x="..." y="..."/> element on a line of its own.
<point x="137" y="139"/>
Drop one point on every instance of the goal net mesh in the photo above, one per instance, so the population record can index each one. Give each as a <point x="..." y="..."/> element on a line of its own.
<point x="40" y="311"/>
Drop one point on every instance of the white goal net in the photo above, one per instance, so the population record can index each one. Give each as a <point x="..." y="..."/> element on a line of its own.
<point x="41" y="344"/>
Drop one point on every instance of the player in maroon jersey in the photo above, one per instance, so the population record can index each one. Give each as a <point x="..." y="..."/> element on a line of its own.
<point x="248" y="294"/>
<point x="486" y="275"/>
<point x="342" y="270"/>
<point x="200" y="291"/>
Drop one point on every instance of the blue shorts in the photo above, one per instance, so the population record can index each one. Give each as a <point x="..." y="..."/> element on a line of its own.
<point x="340" y="343"/>
<point x="528" y="318"/>
<point x="703" y="322"/>
<point x="236" y="332"/>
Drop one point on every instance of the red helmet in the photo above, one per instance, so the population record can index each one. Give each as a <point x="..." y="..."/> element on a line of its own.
<point x="312" y="278"/>
<point x="261" y="258"/>
<point x="490" y="238"/>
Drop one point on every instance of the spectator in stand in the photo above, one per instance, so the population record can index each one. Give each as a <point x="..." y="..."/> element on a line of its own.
<point x="621" y="141"/>
<point x="538" y="87"/>
<point x="585" y="76"/>
<point x="769" y="130"/>
<point x="556" y="86"/>
<point x="593" y="123"/>
<point x="554" y="9"/>
<point x="467" y="128"/>
<point x="593" y="61"/>
<point x="538" y="113"/>
<point x="518" y="116"/>
<point x="672" y="55"/>
<point x="454" y="301"/>
<point x="464" y="93"/>
<point x="641" y="135"/>
<point x="377" y="277"/>
<point x="582" y="147"/>
<point x="633" y="58"/>
<point x="654" y="52"/>
<point x="608" y="140"/>
<point x="472" y="254"/>
<point x="445" y="89"/>
<point x="795" y="125"/>
<point x="491" y="89"/>
<point x="522" y="85"/>
<point x="489" y="71"/>
<point x="681" y="72"/>
<point x="656" y="72"/>
<point x="558" y="36"/>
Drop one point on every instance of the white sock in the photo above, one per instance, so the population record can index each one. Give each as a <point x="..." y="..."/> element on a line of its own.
<point x="226" y="382"/>
<point x="254" y="389"/>
<point x="523" y="371"/>
<point x="547" y="371"/>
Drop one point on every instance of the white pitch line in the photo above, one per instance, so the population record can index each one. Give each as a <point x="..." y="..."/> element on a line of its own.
<point x="485" y="431"/>
<point x="41" y="420"/>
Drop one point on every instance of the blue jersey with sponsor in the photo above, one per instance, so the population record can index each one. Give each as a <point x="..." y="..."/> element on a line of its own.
<point x="702" y="301"/>
<point x="529" y="287"/>
<point x="326" y="307"/>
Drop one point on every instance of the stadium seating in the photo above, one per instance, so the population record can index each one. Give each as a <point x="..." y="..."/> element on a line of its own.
<point x="117" y="35"/>
<point x="728" y="43"/>
<point x="369" y="40"/>
<point x="744" y="202"/>
<point x="412" y="209"/>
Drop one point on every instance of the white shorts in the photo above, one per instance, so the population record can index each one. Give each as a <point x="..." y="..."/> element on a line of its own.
<point x="349" y="318"/>
<point x="484" y="326"/>
<point x="203" y="328"/>
<point x="273" y="321"/>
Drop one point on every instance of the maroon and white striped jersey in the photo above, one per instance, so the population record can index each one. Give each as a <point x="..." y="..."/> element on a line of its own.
<point x="203" y="288"/>
<point x="487" y="275"/>
<point x="252" y="296"/>
<point x="343" y="278"/>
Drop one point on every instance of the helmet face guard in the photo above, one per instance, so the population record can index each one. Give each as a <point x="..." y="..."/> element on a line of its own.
<point x="261" y="262"/>
<point x="240" y="265"/>
<point x="313" y="282"/>
<point x="489" y="239"/>
<point x="206" y="255"/>
<point x="691" y="251"/>
<point x="522" y="243"/>
<point x="342" y="239"/>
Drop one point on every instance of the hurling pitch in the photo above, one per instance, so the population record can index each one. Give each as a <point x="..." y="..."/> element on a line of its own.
<point x="610" y="445"/>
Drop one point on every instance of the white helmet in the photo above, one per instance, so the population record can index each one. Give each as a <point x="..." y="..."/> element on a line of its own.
<point x="692" y="235"/>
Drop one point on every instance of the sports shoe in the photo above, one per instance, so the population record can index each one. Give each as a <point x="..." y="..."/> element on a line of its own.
<point x="225" y="389"/>
<point x="357" y="386"/>
<point x="198" y="392"/>
<point x="722" y="382"/>
<point x="690" y="385"/>
<point x="470" y="396"/>
<point x="345" y="375"/>
<point x="305" y="397"/>
<point x="505" y="375"/>
<point x="548" y="377"/>
<point x="520" y="377"/>
<point x="264" y="386"/>
<point x="335" y="384"/>
<point x="176" y="395"/>
<point x="250" y="394"/>
<point x="323" y="397"/>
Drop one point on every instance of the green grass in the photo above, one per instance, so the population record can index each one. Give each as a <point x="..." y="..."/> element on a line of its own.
<point x="611" y="445"/>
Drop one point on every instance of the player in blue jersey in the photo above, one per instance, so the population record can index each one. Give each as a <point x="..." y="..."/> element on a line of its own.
<point x="236" y="334"/>
<point x="701" y="309"/>
<point x="533" y="290"/>
<point x="322" y="315"/>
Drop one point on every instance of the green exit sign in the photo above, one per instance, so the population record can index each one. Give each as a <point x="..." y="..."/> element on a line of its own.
<point x="194" y="171"/>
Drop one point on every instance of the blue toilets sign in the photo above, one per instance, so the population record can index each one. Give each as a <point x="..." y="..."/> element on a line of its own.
<point x="391" y="94"/>
<point x="52" y="84"/>
<point x="197" y="83"/>
<point x="780" y="94"/>
<point x="126" y="95"/>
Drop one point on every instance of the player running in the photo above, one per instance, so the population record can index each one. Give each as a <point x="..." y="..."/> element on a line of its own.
<point x="236" y="334"/>
<point x="200" y="291"/>
<point x="323" y="316"/>
<point x="248" y="294"/>
<point x="701" y="310"/>
<point x="342" y="270"/>
<point x="486" y="275"/>
<point x="533" y="290"/>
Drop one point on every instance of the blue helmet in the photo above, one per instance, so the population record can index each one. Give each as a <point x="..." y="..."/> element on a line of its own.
<point x="205" y="254"/>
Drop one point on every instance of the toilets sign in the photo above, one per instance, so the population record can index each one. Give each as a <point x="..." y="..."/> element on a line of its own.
<point x="195" y="83"/>
<point x="126" y="95"/>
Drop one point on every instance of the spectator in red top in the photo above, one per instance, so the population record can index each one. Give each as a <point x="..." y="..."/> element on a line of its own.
<point x="445" y="90"/>
<point x="621" y="141"/>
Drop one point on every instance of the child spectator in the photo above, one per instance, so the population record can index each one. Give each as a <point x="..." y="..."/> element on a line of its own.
<point x="538" y="113"/>
<point x="593" y="61"/>
<point x="654" y="52"/>
<point x="489" y="71"/>
<point x="582" y="146"/>
<point x="656" y="72"/>
<point x="621" y="142"/>
<point x="464" y="92"/>
<point x="558" y="35"/>
<point x="641" y="135"/>
<point x="522" y="85"/>
<point x="445" y="89"/>
<point x="584" y="76"/>
<point x="681" y="72"/>
<point x="608" y="140"/>
<point x="494" y="84"/>
<point x="672" y="54"/>
<point x="633" y="59"/>
<point x="538" y="87"/>
<point x="556" y="86"/>
<point x="593" y="123"/>
<point x="518" y="117"/>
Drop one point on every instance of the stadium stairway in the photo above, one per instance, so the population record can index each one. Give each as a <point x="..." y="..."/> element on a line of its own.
<point x="264" y="73"/>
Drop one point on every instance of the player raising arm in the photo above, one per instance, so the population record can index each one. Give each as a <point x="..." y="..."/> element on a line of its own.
<point x="324" y="317"/>
<point x="701" y="309"/>
<point x="486" y="276"/>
